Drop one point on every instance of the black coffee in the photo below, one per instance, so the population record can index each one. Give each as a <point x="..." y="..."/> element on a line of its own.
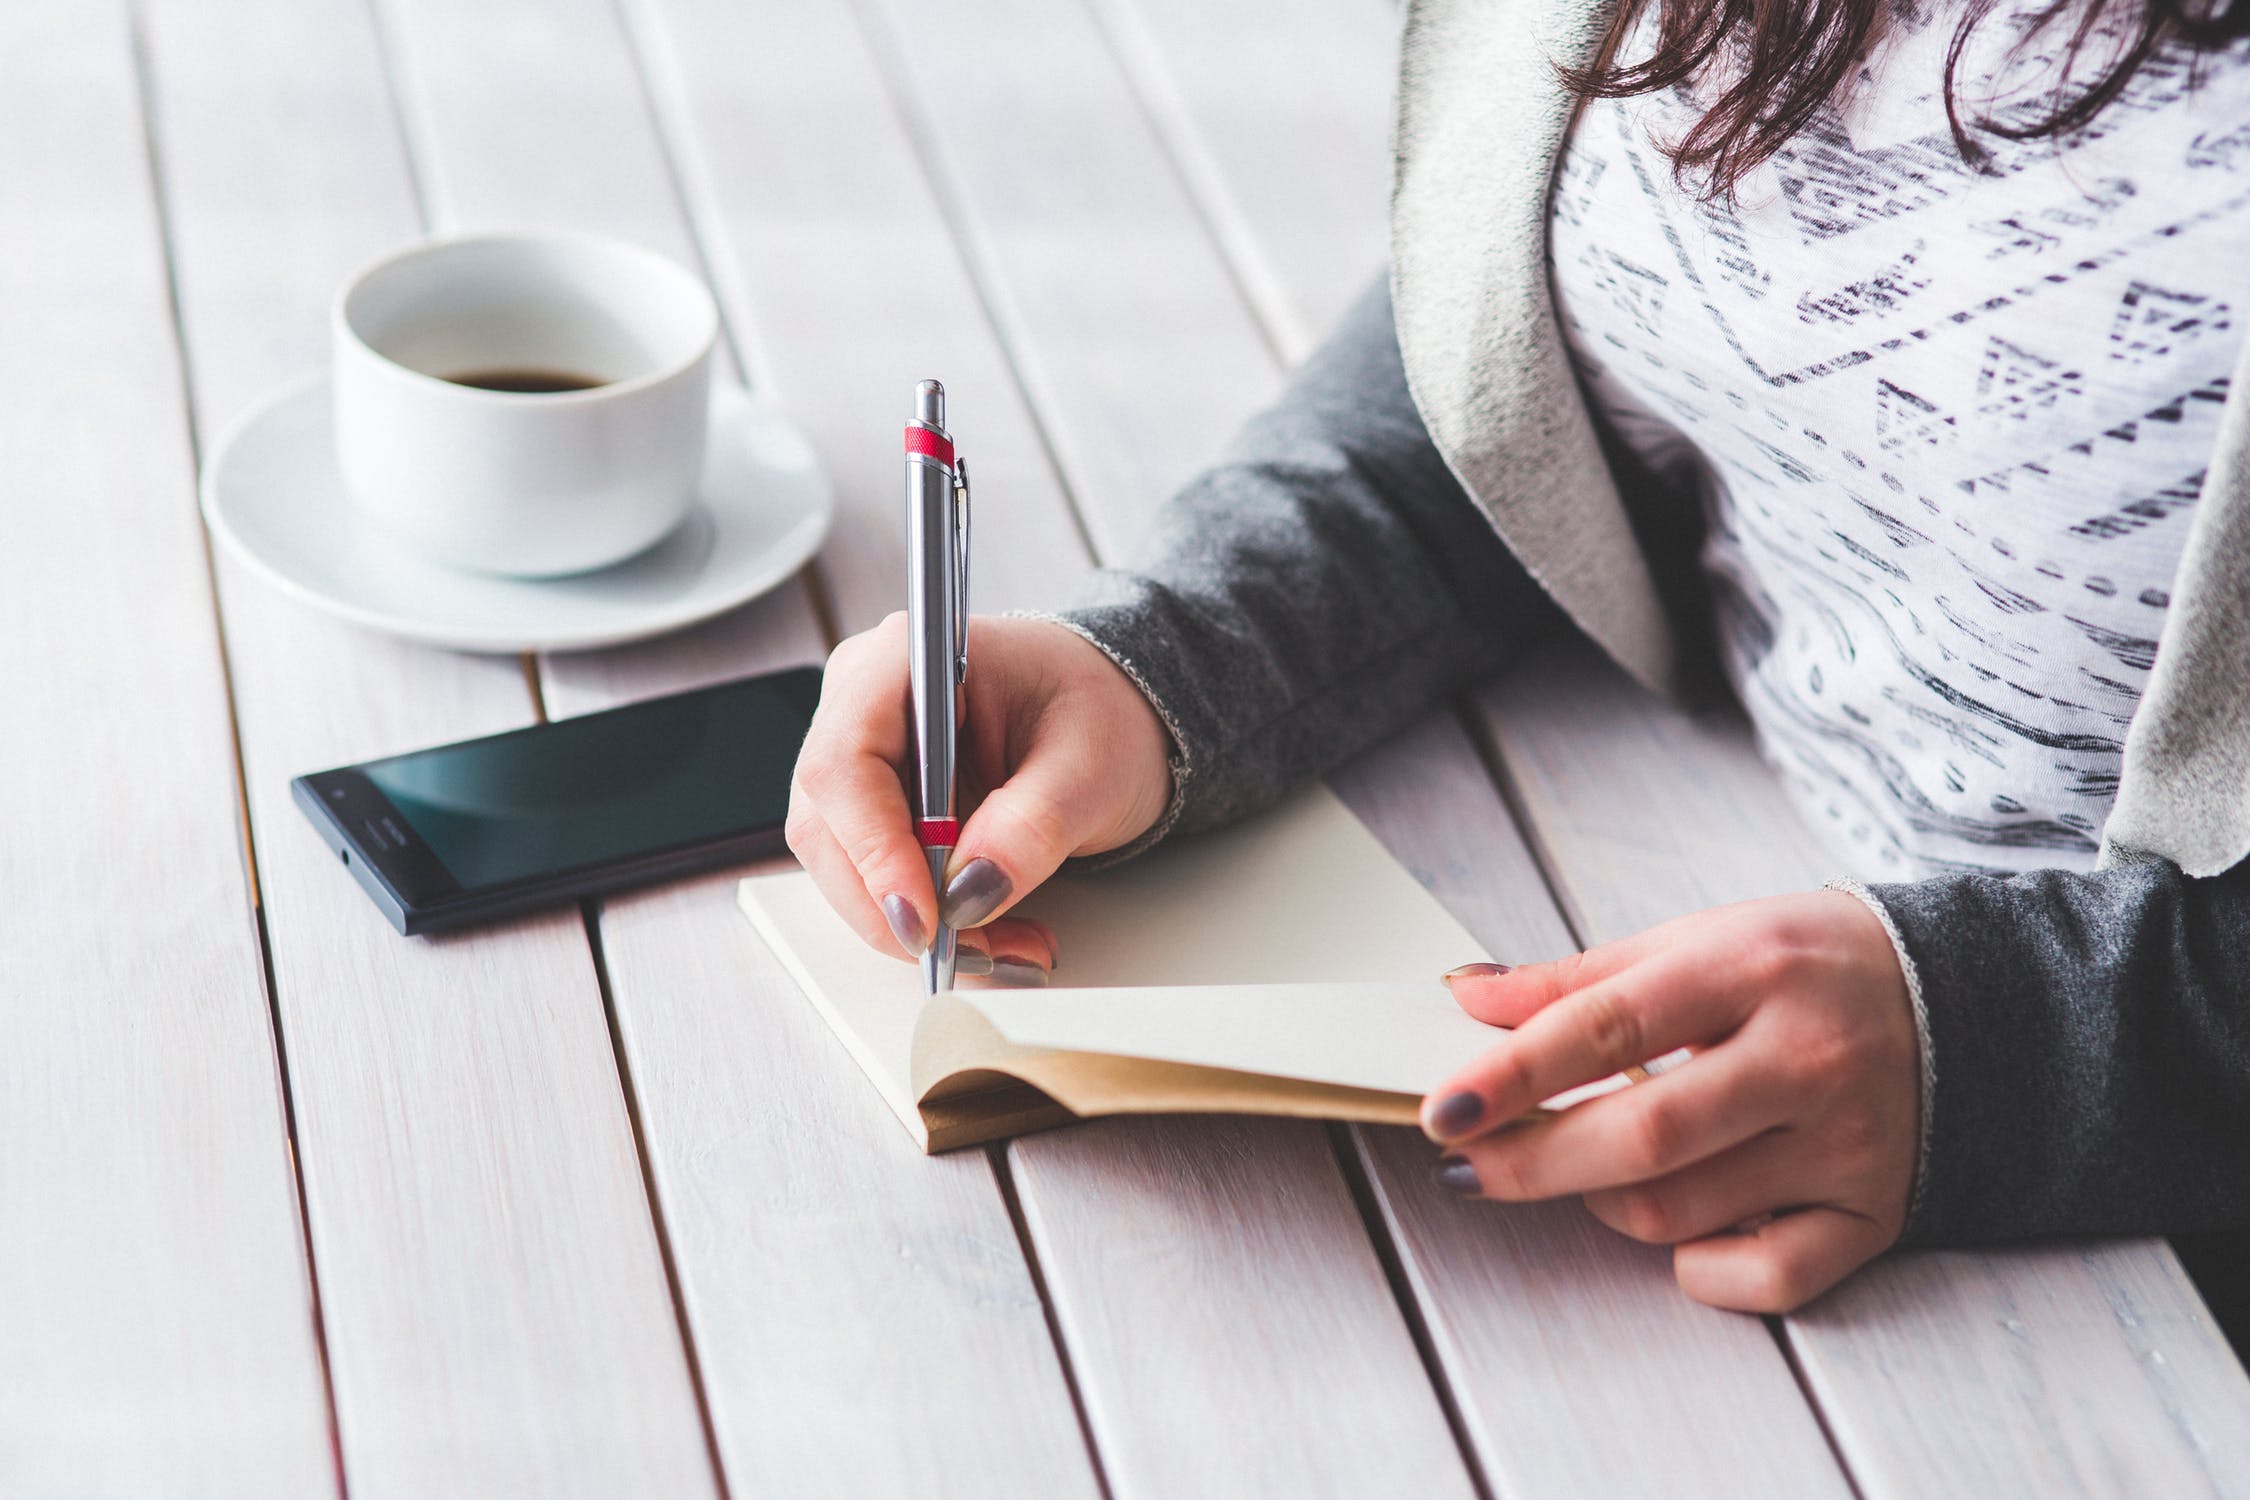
<point x="527" y="380"/>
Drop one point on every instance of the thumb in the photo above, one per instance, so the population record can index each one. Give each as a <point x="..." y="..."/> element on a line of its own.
<point x="1018" y="836"/>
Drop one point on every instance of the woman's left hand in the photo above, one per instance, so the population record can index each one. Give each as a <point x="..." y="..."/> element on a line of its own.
<point x="1802" y="1102"/>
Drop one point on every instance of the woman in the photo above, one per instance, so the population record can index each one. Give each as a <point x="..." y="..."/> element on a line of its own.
<point x="1881" y="357"/>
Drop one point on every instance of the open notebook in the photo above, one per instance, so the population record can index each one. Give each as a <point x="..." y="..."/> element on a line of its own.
<point x="1288" y="966"/>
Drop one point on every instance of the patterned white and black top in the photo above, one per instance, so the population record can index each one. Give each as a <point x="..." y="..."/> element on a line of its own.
<point x="1947" y="425"/>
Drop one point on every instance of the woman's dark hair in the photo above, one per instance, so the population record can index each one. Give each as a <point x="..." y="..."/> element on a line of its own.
<point x="1770" y="65"/>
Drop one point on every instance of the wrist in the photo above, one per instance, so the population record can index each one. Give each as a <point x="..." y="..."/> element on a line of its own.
<point x="1926" y="1071"/>
<point x="1160" y="761"/>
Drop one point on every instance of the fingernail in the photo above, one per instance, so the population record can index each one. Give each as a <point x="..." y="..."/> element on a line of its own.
<point x="1476" y="971"/>
<point x="1456" y="1114"/>
<point x="974" y="962"/>
<point x="1018" y="973"/>
<point x="906" y="924"/>
<point x="973" y="894"/>
<point x="1456" y="1176"/>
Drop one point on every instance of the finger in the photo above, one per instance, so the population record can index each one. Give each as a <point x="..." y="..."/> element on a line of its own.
<point x="863" y="806"/>
<point x="1663" y="1002"/>
<point x="863" y="707"/>
<point x="1023" y="951"/>
<point x="1769" y="1173"/>
<point x="1019" y="951"/>
<point x="1671" y="1121"/>
<point x="1781" y="1265"/>
<point x="839" y="883"/>
<point x="1018" y="836"/>
<point x="1504" y="995"/>
<point x="1022" y="937"/>
<point x="1007" y="955"/>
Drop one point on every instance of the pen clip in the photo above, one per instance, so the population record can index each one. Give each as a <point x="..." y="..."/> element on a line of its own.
<point x="960" y="570"/>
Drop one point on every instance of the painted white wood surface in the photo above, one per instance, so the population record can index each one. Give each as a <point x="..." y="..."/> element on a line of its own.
<point x="1131" y="339"/>
<point x="1279" y="122"/>
<point x="843" y="284"/>
<point x="981" y="67"/>
<point x="157" y="1310"/>
<point x="2086" y="1369"/>
<point x="2008" y="1371"/>
<point x="864" y="1319"/>
<point x="497" y="1312"/>
<point x="1229" y="1321"/>
<point x="1331" y="1351"/>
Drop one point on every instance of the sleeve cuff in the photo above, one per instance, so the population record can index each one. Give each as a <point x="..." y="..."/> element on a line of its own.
<point x="1913" y="976"/>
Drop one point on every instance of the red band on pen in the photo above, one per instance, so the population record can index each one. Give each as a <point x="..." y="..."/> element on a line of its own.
<point x="923" y="441"/>
<point x="937" y="833"/>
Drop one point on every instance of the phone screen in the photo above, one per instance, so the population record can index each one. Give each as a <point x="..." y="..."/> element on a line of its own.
<point x="670" y="773"/>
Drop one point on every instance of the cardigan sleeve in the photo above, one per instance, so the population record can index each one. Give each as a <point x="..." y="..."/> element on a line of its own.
<point x="2089" y="1051"/>
<point x="1320" y="587"/>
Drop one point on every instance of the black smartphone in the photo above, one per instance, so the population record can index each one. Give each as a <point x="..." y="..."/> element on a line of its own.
<point x="538" y="817"/>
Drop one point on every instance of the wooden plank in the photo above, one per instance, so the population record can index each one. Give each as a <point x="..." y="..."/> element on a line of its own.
<point x="2050" y="1370"/>
<point x="827" y="1270"/>
<point x="812" y="201"/>
<point x="498" y="1316"/>
<point x="1282" y="134"/>
<point x="153" y="1283"/>
<point x="1229" y="1321"/>
<point x="1555" y="1333"/>
<point x="2036" y="1371"/>
<point x="1022" y="201"/>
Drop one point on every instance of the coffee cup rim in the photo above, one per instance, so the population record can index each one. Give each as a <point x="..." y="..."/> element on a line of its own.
<point x="340" y="320"/>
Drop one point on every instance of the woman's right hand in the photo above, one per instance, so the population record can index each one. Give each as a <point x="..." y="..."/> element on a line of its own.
<point x="1072" y="757"/>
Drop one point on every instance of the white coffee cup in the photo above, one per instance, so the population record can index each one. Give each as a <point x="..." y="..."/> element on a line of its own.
<point x="526" y="483"/>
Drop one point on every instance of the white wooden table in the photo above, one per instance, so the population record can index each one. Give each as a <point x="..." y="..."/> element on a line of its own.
<point x="592" y="1204"/>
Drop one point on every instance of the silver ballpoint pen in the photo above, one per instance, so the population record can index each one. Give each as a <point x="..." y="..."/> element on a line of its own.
<point x="937" y="616"/>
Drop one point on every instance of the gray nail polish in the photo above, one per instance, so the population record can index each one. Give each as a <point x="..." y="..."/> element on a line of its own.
<point x="1456" y="1114"/>
<point x="1457" y="1176"/>
<point x="1478" y="970"/>
<point x="1018" y="973"/>
<point x="973" y="962"/>
<point x="906" y="924"/>
<point x="973" y="894"/>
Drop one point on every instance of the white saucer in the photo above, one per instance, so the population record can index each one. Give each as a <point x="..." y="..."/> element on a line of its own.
<point x="272" y="495"/>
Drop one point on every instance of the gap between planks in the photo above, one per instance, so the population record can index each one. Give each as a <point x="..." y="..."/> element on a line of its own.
<point x="414" y="151"/>
<point x="1266" y="317"/>
<point x="144" y="90"/>
<point x="1274" y="312"/>
<point x="920" y="132"/>
<point x="1279" y="327"/>
<point x="997" y="1155"/>
<point x="1402" y="1292"/>
<point x="671" y="135"/>
<point x="883" y="49"/>
<point x="674" y="140"/>
<point x="590" y="914"/>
